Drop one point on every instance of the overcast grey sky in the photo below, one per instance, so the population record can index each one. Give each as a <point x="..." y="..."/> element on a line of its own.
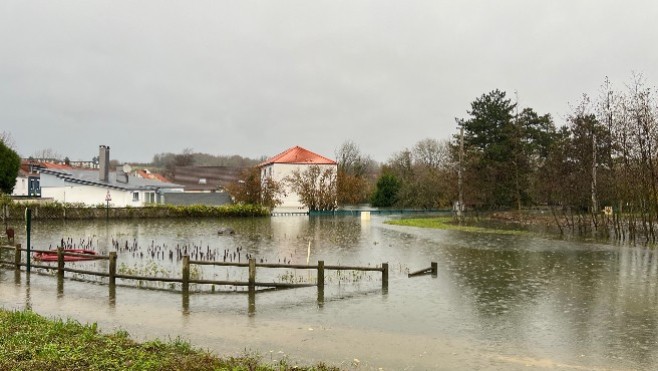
<point x="256" y="77"/>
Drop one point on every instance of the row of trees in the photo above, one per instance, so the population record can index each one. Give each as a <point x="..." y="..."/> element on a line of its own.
<point x="608" y="156"/>
<point x="509" y="157"/>
<point x="604" y="154"/>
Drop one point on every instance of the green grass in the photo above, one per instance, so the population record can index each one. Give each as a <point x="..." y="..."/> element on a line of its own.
<point x="449" y="223"/>
<point x="31" y="342"/>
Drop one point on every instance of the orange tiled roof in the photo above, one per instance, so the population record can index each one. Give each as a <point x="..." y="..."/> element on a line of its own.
<point x="298" y="155"/>
<point x="54" y="166"/>
<point x="145" y="174"/>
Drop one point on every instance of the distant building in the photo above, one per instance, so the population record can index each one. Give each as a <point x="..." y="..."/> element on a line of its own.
<point x="285" y="163"/>
<point x="28" y="179"/>
<point x="89" y="187"/>
<point x="27" y="184"/>
<point x="84" y="164"/>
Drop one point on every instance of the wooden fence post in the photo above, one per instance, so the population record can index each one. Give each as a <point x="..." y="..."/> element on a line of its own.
<point x="60" y="261"/>
<point x="384" y="275"/>
<point x="251" y="296"/>
<point x="186" y="274"/>
<point x="17" y="257"/>
<point x="321" y="283"/>
<point x="252" y="273"/>
<point x="60" y="286"/>
<point x="113" y="268"/>
<point x="321" y="275"/>
<point x="435" y="269"/>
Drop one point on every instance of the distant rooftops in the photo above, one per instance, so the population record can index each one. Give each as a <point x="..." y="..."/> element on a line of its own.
<point x="298" y="155"/>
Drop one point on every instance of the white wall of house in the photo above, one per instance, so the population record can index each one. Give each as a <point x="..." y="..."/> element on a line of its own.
<point x="22" y="186"/>
<point x="61" y="191"/>
<point x="279" y="172"/>
<point x="92" y="195"/>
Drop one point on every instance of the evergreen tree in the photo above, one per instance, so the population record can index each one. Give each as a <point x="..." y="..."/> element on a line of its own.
<point x="386" y="191"/>
<point x="10" y="164"/>
<point x="504" y="149"/>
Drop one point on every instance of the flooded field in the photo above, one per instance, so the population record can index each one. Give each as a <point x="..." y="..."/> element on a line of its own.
<point x="498" y="302"/>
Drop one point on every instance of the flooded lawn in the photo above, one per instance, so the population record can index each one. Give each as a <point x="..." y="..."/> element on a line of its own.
<point x="498" y="301"/>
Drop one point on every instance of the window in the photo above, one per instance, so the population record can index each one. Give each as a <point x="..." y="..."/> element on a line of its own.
<point x="135" y="196"/>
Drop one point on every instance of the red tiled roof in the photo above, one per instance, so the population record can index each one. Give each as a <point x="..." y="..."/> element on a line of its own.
<point x="298" y="155"/>
<point x="145" y="174"/>
<point x="54" y="166"/>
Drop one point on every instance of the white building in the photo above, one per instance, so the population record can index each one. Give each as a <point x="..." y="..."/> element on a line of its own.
<point x="97" y="187"/>
<point x="83" y="186"/>
<point x="285" y="163"/>
<point x="21" y="186"/>
<point x="27" y="182"/>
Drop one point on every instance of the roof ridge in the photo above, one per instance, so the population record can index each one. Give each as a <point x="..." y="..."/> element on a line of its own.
<point x="281" y="157"/>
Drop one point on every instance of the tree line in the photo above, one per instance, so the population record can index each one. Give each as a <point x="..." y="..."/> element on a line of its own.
<point x="604" y="156"/>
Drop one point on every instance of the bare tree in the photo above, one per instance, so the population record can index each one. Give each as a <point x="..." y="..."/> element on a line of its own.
<point x="8" y="140"/>
<point x="354" y="179"/>
<point x="316" y="187"/>
<point x="47" y="154"/>
<point x="252" y="189"/>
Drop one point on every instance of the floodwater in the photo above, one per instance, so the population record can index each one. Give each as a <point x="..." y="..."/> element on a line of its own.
<point x="499" y="302"/>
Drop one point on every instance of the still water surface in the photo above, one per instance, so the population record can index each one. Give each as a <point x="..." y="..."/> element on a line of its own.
<point x="499" y="302"/>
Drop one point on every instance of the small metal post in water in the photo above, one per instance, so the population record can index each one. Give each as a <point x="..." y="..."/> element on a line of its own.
<point x="435" y="269"/>
<point x="384" y="275"/>
<point x="28" y="227"/>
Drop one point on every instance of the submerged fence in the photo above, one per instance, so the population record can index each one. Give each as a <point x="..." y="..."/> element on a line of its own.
<point x="185" y="280"/>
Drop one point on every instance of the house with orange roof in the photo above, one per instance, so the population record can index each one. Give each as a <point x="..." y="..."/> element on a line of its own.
<point x="283" y="165"/>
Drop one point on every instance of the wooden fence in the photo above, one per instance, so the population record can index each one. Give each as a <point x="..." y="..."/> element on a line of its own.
<point x="185" y="279"/>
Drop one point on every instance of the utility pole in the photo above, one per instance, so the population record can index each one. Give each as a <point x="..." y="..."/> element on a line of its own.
<point x="595" y="206"/>
<point x="460" y="175"/>
<point x="517" y="155"/>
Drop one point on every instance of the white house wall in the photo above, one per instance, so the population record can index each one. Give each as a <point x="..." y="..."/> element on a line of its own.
<point x="91" y="196"/>
<point x="279" y="172"/>
<point x="21" y="187"/>
<point x="61" y="191"/>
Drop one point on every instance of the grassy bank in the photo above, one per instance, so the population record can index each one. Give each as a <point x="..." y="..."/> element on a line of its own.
<point x="31" y="342"/>
<point x="446" y="222"/>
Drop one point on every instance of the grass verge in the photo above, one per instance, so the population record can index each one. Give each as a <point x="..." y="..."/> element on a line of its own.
<point x="449" y="223"/>
<point x="29" y="341"/>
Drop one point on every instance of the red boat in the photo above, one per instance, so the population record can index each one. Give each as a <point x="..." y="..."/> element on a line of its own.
<point x="51" y="256"/>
